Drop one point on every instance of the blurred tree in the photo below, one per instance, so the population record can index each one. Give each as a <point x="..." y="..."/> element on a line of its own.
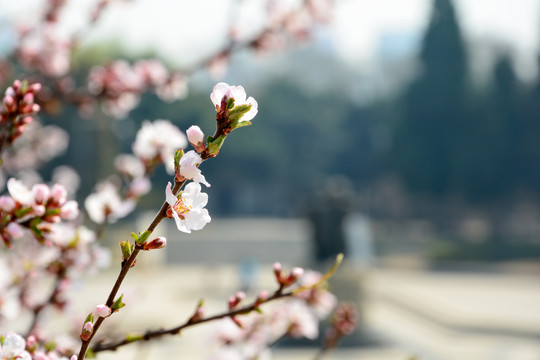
<point x="435" y="111"/>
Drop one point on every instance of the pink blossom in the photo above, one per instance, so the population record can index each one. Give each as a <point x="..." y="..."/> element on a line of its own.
<point x="106" y="205"/>
<point x="189" y="167"/>
<point x="159" y="139"/>
<point x="14" y="347"/>
<point x="6" y="203"/>
<point x="223" y="90"/>
<point x="188" y="208"/>
<point x="70" y="210"/>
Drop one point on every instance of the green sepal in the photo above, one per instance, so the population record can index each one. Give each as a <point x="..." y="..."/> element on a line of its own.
<point x="259" y="310"/>
<point x="90" y="354"/>
<point x="143" y="237"/>
<point x="24" y="87"/>
<point x="238" y="111"/>
<point x="177" y="156"/>
<point x="230" y="103"/>
<point x="118" y="304"/>
<point x="214" y="146"/>
<point x="33" y="225"/>
<point x="22" y="212"/>
<point x="50" y="346"/>
<point x="52" y="211"/>
<point x="134" y="236"/>
<point x="2" y="338"/>
<point x="238" y="124"/>
<point x="89" y="318"/>
<point x="126" y="249"/>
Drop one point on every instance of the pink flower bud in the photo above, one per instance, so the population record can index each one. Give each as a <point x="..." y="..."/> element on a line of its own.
<point x="74" y="357"/>
<point x="6" y="203"/>
<point x="31" y="341"/>
<point x="87" y="331"/>
<point x="103" y="310"/>
<point x="35" y="108"/>
<point x="195" y="136"/>
<point x="35" y="88"/>
<point x="41" y="193"/>
<point x="9" y="102"/>
<point x="58" y="194"/>
<point x="39" y="210"/>
<point x="157" y="243"/>
<point x="240" y="296"/>
<point x="14" y="230"/>
<point x="28" y="98"/>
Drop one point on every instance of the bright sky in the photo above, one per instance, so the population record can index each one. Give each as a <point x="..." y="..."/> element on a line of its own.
<point x="180" y="29"/>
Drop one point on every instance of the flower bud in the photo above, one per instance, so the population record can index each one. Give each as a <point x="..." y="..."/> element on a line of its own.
<point x="103" y="310"/>
<point x="157" y="243"/>
<point x="58" y="194"/>
<point x="14" y="230"/>
<point x="41" y="193"/>
<point x="87" y="331"/>
<point x="196" y="138"/>
<point x="6" y="203"/>
<point x="39" y="210"/>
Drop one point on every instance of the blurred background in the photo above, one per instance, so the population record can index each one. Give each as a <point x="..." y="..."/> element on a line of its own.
<point x="405" y="134"/>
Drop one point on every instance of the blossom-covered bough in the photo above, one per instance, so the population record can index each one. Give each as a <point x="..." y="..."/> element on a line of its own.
<point x="50" y="243"/>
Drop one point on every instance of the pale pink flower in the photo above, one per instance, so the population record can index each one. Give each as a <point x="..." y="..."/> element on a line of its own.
<point x="222" y="90"/>
<point x="189" y="167"/>
<point x="159" y="139"/>
<point x="14" y="230"/>
<point x="129" y="165"/>
<point x="175" y="88"/>
<point x="106" y="205"/>
<point x="14" y="347"/>
<point x="297" y="320"/>
<point x="6" y="203"/>
<point x="19" y="192"/>
<point x="70" y="210"/>
<point x="188" y="209"/>
<point x="321" y="301"/>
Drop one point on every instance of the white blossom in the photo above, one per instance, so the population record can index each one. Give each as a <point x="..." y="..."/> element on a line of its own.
<point x="238" y="94"/>
<point x="160" y="138"/>
<point x="188" y="209"/>
<point x="189" y="167"/>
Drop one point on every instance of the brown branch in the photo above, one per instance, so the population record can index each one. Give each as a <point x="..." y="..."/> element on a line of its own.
<point x="152" y="334"/>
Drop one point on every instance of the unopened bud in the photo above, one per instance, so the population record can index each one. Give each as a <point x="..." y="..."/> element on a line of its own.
<point x="58" y="194"/>
<point x="6" y="203"/>
<point x="39" y="210"/>
<point x="157" y="243"/>
<point x="103" y="310"/>
<point x="196" y="138"/>
<point x="41" y="193"/>
<point x="14" y="230"/>
<point x="35" y="88"/>
<point x="87" y="331"/>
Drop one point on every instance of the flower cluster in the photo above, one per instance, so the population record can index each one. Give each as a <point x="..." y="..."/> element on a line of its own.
<point x="120" y="84"/>
<point x="16" y="110"/>
<point x="15" y="347"/>
<point x="37" y="209"/>
<point x="248" y="336"/>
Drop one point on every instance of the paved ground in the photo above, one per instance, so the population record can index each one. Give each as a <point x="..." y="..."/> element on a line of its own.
<point x="438" y="316"/>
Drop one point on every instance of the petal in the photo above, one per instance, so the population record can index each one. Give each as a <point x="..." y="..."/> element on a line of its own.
<point x="169" y="196"/>
<point x="239" y="95"/>
<point x="219" y="90"/>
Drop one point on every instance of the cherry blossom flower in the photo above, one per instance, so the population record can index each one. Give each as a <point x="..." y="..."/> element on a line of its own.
<point x="106" y="205"/>
<point x="14" y="347"/>
<point x="188" y="207"/>
<point x="225" y="91"/>
<point x="189" y="167"/>
<point x="321" y="301"/>
<point x="159" y="140"/>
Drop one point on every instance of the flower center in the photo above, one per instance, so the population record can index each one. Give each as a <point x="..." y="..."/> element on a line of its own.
<point x="181" y="208"/>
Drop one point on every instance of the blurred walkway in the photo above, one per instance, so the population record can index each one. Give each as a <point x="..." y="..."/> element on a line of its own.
<point x="435" y="316"/>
